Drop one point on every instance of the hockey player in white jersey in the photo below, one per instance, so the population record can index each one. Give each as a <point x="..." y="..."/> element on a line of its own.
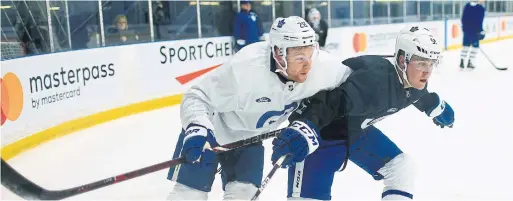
<point x="252" y="93"/>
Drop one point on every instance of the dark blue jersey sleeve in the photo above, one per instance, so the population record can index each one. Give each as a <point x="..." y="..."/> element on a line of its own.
<point x="427" y="102"/>
<point x="359" y="95"/>
<point x="238" y="26"/>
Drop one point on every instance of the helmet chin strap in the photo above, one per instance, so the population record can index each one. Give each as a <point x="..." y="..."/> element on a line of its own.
<point x="404" y="76"/>
<point x="281" y="69"/>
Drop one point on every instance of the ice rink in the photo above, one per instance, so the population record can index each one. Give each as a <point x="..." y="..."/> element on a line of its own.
<point x="472" y="161"/>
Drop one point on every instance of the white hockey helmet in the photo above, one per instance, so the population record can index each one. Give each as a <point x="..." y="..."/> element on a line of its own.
<point x="419" y="41"/>
<point x="289" y="32"/>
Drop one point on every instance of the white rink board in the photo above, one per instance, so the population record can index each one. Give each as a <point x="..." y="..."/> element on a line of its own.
<point x="373" y="39"/>
<point x="118" y="76"/>
<point x="506" y="24"/>
<point x="491" y="27"/>
<point x="454" y="32"/>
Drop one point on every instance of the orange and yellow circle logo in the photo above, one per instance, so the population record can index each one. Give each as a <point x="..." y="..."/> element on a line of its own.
<point x="503" y="25"/>
<point x="359" y="42"/>
<point x="455" y="31"/>
<point x="12" y="97"/>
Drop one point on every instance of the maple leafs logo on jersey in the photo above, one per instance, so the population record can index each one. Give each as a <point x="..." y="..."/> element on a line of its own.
<point x="281" y="23"/>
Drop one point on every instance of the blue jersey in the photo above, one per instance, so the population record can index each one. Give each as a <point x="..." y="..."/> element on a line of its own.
<point x="247" y="27"/>
<point x="372" y="92"/>
<point x="472" y="18"/>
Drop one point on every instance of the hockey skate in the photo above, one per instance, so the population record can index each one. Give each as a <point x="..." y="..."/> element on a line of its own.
<point x="462" y="64"/>
<point x="470" y="66"/>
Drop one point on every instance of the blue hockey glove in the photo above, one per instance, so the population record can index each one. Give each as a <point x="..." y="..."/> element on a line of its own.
<point x="481" y="35"/>
<point x="443" y="114"/>
<point x="194" y="142"/>
<point x="298" y="140"/>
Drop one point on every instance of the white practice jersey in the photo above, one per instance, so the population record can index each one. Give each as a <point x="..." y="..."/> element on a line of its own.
<point x="244" y="97"/>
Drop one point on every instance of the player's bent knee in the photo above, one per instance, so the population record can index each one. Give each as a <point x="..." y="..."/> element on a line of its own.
<point x="183" y="192"/>
<point x="239" y="191"/>
<point x="399" y="178"/>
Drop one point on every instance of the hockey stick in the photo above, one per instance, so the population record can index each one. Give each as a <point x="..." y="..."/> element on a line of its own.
<point x="276" y="166"/>
<point x="26" y="189"/>
<point x="488" y="58"/>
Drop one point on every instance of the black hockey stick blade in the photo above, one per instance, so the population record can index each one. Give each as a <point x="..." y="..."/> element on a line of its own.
<point x="26" y="189"/>
<point x="501" y="68"/>
<point x="493" y="64"/>
<point x="18" y="184"/>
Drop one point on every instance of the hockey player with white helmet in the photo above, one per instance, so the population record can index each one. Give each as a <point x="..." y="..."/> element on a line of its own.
<point x="335" y="126"/>
<point x="252" y="93"/>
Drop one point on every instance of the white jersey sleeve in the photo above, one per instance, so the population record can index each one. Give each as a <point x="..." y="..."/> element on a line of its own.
<point x="214" y="93"/>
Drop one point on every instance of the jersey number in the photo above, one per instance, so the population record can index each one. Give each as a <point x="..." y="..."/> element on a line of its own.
<point x="303" y="25"/>
<point x="266" y="117"/>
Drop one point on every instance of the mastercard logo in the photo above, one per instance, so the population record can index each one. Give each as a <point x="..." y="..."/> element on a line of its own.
<point x="455" y="31"/>
<point x="503" y="25"/>
<point x="359" y="42"/>
<point x="12" y="97"/>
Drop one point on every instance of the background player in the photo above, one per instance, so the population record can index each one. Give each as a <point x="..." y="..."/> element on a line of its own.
<point x="252" y="93"/>
<point x="472" y="25"/>
<point x="319" y="25"/>
<point x="247" y="27"/>
<point x="375" y="89"/>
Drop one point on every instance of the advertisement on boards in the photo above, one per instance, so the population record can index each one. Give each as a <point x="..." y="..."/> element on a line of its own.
<point x="454" y="33"/>
<point x="39" y="92"/>
<point x="506" y="26"/>
<point x="351" y="41"/>
<point x="375" y="39"/>
<point x="170" y="67"/>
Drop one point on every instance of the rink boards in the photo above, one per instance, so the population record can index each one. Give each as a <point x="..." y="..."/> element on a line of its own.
<point x="51" y="95"/>
<point x="380" y="39"/>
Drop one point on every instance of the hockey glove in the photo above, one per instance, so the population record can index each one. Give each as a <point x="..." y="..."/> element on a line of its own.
<point x="194" y="142"/>
<point x="298" y="140"/>
<point x="241" y="42"/>
<point x="442" y="113"/>
<point x="481" y="35"/>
